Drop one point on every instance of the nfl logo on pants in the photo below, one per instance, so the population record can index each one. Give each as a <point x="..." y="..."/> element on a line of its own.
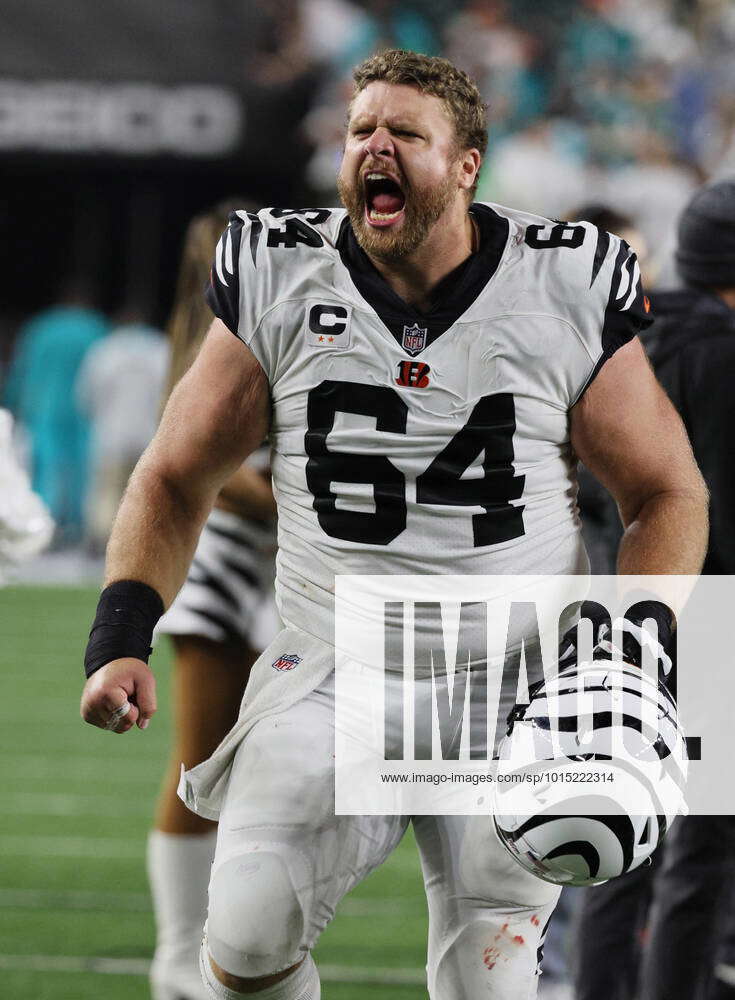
<point x="414" y="338"/>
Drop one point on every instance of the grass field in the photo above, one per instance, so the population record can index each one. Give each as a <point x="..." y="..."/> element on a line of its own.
<point x="75" y="914"/>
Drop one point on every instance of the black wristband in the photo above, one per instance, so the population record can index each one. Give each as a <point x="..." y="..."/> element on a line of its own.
<point x="127" y="613"/>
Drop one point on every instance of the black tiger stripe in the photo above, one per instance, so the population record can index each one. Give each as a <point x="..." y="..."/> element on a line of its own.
<point x="230" y="536"/>
<point x="603" y="245"/>
<point x="223" y="291"/>
<point x="618" y="328"/>
<point x="242" y="571"/>
<point x="200" y="575"/>
<point x="256" y="228"/>
<point x="621" y="260"/>
<point x="222" y="623"/>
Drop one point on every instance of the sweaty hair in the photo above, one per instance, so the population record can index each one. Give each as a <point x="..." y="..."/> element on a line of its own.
<point x="438" y="77"/>
<point x="190" y="315"/>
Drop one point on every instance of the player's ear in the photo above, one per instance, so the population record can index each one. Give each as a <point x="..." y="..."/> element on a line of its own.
<point x="469" y="162"/>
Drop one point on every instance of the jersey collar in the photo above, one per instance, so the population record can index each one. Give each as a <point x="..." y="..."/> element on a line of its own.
<point x="453" y="296"/>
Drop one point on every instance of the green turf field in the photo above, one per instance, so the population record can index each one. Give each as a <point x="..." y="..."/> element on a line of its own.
<point x="76" y="920"/>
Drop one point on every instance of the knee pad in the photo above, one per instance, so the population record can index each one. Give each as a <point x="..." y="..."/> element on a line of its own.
<point x="256" y="922"/>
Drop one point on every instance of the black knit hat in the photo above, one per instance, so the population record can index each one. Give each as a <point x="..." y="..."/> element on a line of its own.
<point x="705" y="254"/>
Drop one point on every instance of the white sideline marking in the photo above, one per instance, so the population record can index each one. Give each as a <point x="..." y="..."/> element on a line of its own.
<point x="76" y="963"/>
<point x="19" y="846"/>
<point x="74" y="899"/>
<point x="139" y="770"/>
<point x="140" y="966"/>
<point x="69" y="804"/>
<point x="139" y="902"/>
<point x="367" y="975"/>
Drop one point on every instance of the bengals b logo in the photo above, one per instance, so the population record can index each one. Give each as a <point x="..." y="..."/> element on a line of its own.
<point x="413" y="374"/>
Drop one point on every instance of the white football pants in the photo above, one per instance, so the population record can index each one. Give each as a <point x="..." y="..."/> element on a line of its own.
<point x="284" y="861"/>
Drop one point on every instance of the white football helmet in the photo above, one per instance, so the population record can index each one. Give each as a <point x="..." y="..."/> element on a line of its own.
<point x="591" y="774"/>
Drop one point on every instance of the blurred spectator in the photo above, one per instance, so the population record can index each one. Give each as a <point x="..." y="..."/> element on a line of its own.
<point x="284" y="54"/>
<point x="40" y="393"/>
<point x="717" y="131"/>
<point x="484" y="42"/>
<point x="653" y="188"/>
<point x="540" y="169"/>
<point x="119" y="389"/>
<point x="593" y="38"/>
<point x="332" y="29"/>
<point x="390" y="25"/>
<point x="654" y="28"/>
<point x="324" y="127"/>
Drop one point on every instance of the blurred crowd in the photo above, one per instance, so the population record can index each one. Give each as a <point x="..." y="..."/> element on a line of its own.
<point x="607" y="100"/>
<point x="611" y="102"/>
<point x="85" y="394"/>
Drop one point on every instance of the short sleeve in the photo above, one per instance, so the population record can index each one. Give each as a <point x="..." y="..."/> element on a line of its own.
<point x="223" y="291"/>
<point x="628" y="309"/>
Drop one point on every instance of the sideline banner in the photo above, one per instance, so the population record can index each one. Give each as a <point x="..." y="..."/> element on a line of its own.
<point x="177" y="79"/>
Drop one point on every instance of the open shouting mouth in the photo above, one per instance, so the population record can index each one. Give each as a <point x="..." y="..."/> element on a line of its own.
<point x="384" y="200"/>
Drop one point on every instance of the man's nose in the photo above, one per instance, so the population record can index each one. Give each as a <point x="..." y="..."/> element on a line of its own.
<point x="380" y="143"/>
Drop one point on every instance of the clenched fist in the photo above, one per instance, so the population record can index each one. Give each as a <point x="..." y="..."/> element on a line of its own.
<point x="119" y="695"/>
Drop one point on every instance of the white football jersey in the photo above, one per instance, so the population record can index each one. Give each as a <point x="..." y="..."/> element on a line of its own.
<point x="418" y="443"/>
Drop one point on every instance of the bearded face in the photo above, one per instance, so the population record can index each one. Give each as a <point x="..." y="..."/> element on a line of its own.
<point x="390" y="217"/>
<point x="400" y="170"/>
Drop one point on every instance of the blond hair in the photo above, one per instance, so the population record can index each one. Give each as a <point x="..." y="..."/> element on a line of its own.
<point x="438" y="77"/>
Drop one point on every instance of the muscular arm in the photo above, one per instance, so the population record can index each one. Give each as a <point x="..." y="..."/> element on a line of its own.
<point x="216" y="416"/>
<point x="628" y="434"/>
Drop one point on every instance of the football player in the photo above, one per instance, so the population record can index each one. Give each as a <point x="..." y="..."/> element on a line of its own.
<point x="220" y="617"/>
<point x="387" y="348"/>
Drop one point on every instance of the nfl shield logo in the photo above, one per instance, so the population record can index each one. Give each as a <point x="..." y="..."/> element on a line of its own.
<point x="414" y="338"/>
<point x="286" y="661"/>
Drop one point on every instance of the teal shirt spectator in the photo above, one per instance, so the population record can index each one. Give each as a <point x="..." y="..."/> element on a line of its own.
<point x="592" y="41"/>
<point x="39" y="391"/>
